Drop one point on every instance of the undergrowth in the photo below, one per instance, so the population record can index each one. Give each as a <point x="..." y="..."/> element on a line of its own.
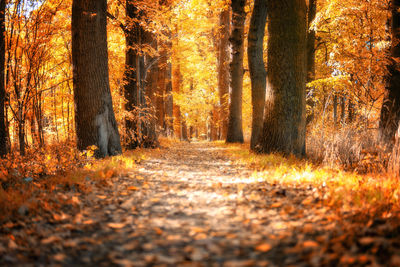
<point x="26" y="182"/>
<point x="366" y="194"/>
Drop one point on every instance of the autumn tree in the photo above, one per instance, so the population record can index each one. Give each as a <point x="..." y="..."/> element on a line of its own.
<point x="140" y="80"/>
<point x="3" y="130"/>
<point x="256" y="67"/>
<point x="284" y="123"/>
<point x="390" y="111"/>
<point x="235" y="130"/>
<point x="94" y="114"/>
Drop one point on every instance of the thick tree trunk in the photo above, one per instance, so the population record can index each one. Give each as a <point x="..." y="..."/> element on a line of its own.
<point x="284" y="123"/>
<point x="149" y="89"/>
<point x="3" y="129"/>
<point x="312" y="11"/>
<point x="94" y="114"/>
<point x="235" y="130"/>
<point x="223" y="70"/>
<point x="256" y="67"/>
<point x="390" y="112"/>
<point x="132" y="78"/>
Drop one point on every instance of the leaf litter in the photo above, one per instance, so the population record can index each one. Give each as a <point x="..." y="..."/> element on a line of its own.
<point x="191" y="205"/>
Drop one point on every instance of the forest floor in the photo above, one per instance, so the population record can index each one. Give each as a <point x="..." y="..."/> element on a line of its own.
<point x="193" y="204"/>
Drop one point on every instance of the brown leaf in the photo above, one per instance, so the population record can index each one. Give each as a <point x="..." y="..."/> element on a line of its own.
<point x="50" y="240"/>
<point x="59" y="257"/>
<point x="365" y="241"/>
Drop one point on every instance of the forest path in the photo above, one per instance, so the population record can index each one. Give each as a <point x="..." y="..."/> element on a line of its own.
<point x="186" y="205"/>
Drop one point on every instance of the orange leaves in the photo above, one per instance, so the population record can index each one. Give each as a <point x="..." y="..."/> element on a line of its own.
<point x="116" y="225"/>
<point x="264" y="247"/>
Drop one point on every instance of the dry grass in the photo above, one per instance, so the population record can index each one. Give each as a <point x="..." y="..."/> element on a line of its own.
<point x="370" y="195"/>
<point x="349" y="148"/>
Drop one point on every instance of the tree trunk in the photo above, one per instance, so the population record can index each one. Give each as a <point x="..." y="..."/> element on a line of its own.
<point x="161" y="87"/>
<point x="132" y="78"/>
<point x="235" y="130"/>
<point x="3" y="129"/>
<point x="223" y="70"/>
<point x="176" y="87"/>
<point x="342" y="109"/>
<point x="169" y="103"/>
<point x="256" y="67"/>
<point x="284" y="122"/>
<point x="335" y="104"/>
<point x="149" y="89"/>
<point x="312" y="11"/>
<point x="94" y="114"/>
<point x="390" y="111"/>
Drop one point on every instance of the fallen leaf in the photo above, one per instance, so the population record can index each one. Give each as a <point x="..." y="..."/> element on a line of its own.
<point x="50" y="240"/>
<point x="264" y="247"/>
<point x="276" y="205"/>
<point x="310" y="244"/>
<point x="133" y="188"/>
<point x="59" y="257"/>
<point x="365" y="241"/>
<point x="158" y="231"/>
<point x="116" y="225"/>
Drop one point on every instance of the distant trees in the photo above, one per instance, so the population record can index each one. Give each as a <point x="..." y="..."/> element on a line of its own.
<point x="235" y="130"/>
<point x="139" y="125"/>
<point x="94" y="114"/>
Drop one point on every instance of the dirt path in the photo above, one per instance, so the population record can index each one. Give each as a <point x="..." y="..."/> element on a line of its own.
<point x="189" y="205"/>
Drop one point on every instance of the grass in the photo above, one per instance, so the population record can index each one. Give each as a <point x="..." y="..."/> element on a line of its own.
<point x="369" y="194"/>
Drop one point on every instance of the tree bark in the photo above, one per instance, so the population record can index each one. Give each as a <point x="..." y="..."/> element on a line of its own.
<point x="235" y="130"/>
<point x="168" y="104"/>
<point x="223" y="70"/>
<point x="149" y="89"/>
<point x="390" y="111"/>
<point x="161" y="87"/>
<point x="176" y="87"/>
<point x="3" y="129"/>
<point x="284" y="122"/>
<point x="256" y="67"/>
<point x="312" y="11"/>
<point x="132" y="77"/>
<point x="94" y="114"/>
